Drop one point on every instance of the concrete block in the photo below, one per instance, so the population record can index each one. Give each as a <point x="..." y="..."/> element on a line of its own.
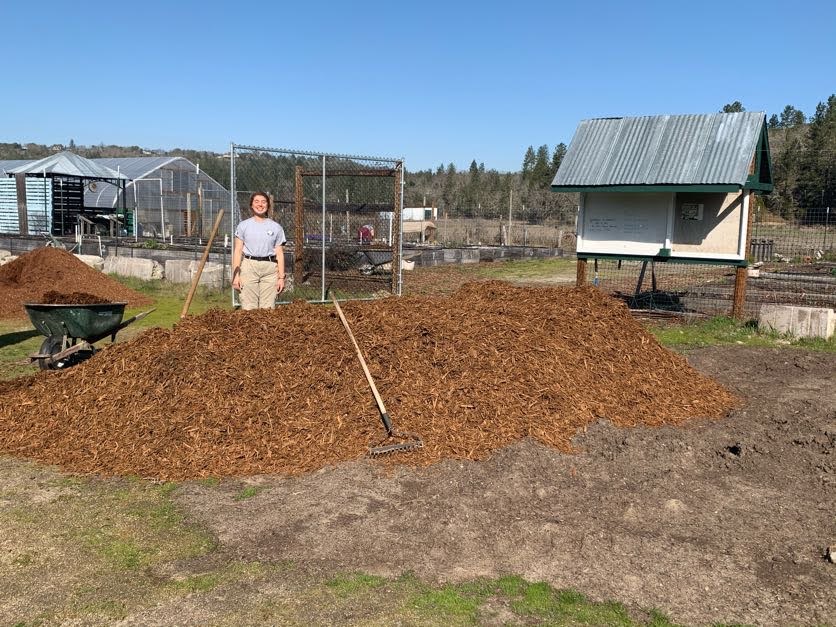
<point x="183" y="271"/>
<point x="798" y="321"/>
<point x="146" y="269"/>
<point x="452" y="255"/>
<point x="470" y="255"/>
<point x="94" y="261"/>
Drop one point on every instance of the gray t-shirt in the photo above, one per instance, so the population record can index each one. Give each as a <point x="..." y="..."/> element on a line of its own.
<point x="260" y="237"/>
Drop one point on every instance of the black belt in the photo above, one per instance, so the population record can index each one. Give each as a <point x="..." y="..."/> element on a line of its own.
<point x="268" y="258"/>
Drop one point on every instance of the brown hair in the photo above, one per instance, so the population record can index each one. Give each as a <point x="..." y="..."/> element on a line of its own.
<point x="266" y="197"/>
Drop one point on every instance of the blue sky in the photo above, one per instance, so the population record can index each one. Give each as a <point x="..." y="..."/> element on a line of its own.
<point x="432" y="82"/>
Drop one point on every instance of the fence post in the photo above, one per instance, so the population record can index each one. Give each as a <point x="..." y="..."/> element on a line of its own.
<point x="580" y="280"/>
<point x="396" y="232"/>
<point x="299" y="231"/>
<point x="739" y="298"/>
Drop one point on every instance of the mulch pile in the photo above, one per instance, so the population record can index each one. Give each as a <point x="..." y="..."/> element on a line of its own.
<point x="29" y="277"/>
<point x="242" y="393"/>
<point x="73" y="298"/>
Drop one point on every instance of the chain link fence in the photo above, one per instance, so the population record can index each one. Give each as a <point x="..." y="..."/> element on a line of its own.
<point x="789" y="263"/>
<point x="341" y="215"/>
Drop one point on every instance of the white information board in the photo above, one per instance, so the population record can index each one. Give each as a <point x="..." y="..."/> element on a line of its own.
<point x="708" y="225"/>
<point x="628" y="223"/>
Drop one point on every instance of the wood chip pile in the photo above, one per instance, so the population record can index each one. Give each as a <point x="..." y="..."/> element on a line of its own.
<point x="242" y="393"/>
<point x="30" y="276"/>
<point x="73" y="298"/>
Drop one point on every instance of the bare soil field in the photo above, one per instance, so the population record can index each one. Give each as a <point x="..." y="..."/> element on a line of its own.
<point x="724" y="520"/>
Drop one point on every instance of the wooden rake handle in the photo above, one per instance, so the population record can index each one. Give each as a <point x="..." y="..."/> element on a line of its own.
<point x="383" y="415"/>
<point x="196" y="278"/>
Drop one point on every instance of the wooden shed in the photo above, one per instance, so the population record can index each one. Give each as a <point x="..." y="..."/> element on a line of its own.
<point x="667" y="187"/>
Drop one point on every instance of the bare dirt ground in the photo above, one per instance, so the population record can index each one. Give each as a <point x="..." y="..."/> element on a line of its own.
<point x="718" y="521"/>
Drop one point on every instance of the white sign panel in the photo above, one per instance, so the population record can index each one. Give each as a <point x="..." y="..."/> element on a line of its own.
<point x="624" y="223"/>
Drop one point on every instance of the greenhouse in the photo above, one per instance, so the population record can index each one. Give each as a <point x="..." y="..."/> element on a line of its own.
<point x="138" y="196"/>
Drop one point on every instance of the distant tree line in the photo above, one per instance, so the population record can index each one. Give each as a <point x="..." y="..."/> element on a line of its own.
<point x="481" y="193"/>
<point x="803" y="153"/>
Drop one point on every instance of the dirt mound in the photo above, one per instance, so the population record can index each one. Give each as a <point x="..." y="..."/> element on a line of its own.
<point x="242" y="393"/>
<point x="47" y="269"/>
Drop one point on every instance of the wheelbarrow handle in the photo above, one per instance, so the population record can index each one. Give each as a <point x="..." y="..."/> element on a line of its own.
<point x="133" y="319"/>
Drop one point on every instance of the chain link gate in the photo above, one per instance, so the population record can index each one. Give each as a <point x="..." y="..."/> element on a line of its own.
<point x="341" y="215"/>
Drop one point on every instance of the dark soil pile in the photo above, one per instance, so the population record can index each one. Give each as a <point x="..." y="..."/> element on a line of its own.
<point x="47" y="269"/>
<point x="73" y="298"/>
<point x="242" y="393"/>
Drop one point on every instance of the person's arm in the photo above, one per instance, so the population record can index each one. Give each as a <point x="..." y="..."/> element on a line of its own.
<point x="237" y="257"/>
<point x="282" y="279"/>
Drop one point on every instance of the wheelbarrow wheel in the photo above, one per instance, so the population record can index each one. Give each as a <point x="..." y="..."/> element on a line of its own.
<point x="52" y="345"/>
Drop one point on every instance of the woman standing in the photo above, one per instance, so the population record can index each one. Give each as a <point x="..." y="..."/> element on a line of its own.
<point x="258" y="256"/>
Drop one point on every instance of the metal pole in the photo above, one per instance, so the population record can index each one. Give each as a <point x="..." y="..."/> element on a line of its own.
<point x="510" y="205"/>
<point x="162" y="211"/>
<point x="322" y="229"/>
<point x="826" y="223"/>
<point x="232" y="211"/>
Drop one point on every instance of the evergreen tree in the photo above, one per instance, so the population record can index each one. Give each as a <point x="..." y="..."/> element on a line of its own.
<point x="733" y="107"/>
<point x="528" y="163"/>
<point x="773" y="121"/>
<point x="540" y="172"/>
<point x="816" y="185"/>
<point x="791" y="117"/>
<point x="557" y="158"/>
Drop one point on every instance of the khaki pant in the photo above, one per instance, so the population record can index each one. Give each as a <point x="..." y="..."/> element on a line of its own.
<point x="258" y="284"/>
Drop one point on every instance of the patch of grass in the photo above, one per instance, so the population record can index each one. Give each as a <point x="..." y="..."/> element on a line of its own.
<point x="120" y="553"/>
<point x="721" y="331"/>
<point x="247" y="493"/>
<point x="210" y="482"/>
<point x="169" y="299"/>
<point x="353" y="583"/>
<point x="448" y="602"/>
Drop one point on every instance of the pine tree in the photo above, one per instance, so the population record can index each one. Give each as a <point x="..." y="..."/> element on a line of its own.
<point x="540" y="173"/>
<point x="557" y="158"/>
<point x="733" y="107"/>
<point x="528" y="163"/>
<point x="773" y="121"/>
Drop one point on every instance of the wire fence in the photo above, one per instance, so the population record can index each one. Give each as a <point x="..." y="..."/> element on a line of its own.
<point x="790" y="263"/>
<point x="341" y="215"/>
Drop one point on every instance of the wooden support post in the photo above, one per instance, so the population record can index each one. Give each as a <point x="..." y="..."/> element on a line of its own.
<point x="741" y="273"/>
<point x="299" y="231"/>
<point x="739" y="293"/>
<point x="581" y="277"/>
<point x="22" y="217"/>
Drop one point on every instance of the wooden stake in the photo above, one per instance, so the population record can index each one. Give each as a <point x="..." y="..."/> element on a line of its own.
<point x="196" y="278"/>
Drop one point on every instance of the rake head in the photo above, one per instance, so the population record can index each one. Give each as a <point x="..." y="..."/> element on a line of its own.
<point x="411" y="442"/>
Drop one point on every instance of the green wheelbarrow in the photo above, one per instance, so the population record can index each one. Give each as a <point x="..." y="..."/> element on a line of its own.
<point x="71" y="330"/>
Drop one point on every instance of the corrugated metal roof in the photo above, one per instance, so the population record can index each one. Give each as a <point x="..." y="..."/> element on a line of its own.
<point x="70" y="164"/>
<point x="8" y="165"/>
<point x="138" y="167"/>
<point x="710" y="149"/>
